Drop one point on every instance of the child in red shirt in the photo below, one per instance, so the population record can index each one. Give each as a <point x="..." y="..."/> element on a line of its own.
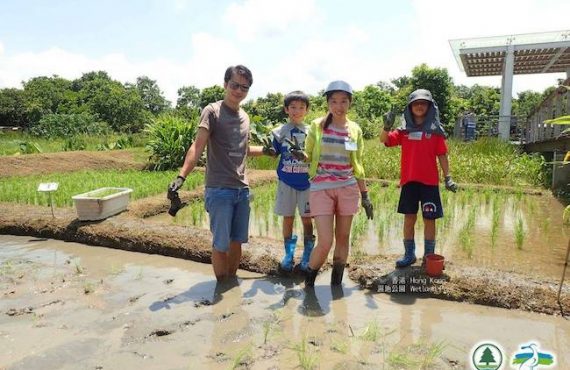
<point x="423" y="140"/>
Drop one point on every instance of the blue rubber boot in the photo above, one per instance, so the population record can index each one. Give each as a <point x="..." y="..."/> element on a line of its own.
<point x="410" y="254"/>
<point x="429" y="248"/>
<point x="308" y="248"/>
<point x="290" y="245"/>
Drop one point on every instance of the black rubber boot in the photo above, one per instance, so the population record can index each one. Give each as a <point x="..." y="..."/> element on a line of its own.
<point x="310" y="277"/>
<point x="337" y="272"/>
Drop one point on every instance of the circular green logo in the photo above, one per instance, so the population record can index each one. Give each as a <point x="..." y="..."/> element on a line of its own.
<point x="487" y="356"/>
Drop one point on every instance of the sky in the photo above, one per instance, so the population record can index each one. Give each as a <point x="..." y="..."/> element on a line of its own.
<point x="288" y="45"/>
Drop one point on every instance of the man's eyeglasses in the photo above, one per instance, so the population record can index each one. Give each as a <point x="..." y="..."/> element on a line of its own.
<point x="234" y="86"/>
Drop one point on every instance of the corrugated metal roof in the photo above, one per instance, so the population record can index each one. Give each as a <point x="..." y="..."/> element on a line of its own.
<point x="546" y="52"/>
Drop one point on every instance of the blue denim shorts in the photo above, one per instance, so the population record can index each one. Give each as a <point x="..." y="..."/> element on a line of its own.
<point x="229" y="215"/>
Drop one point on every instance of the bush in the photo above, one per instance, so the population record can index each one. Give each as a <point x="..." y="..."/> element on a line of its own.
<point x="169" y="137"/>
<point x="68" y="125"/>
<point x="370" y="128"/>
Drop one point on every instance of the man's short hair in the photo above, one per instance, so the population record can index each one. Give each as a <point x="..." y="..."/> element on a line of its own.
<point x="238" y="70"/>
<point x="296" y="96"/>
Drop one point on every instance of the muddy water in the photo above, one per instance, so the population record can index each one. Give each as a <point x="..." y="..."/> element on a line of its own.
<point x="71" y="306"/>
<point x="505" y="231"/>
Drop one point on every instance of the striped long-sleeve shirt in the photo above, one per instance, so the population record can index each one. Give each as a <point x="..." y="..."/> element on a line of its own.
<point x="334" y="169"/>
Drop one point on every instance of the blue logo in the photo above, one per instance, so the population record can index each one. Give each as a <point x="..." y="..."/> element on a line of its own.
<point x="531" y="358"/>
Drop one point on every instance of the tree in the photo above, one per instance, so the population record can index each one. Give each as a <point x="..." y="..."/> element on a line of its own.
<point x="12" y="108"/>
<point x="45" y="95"/>
<point x="487" y="357"/>
<point x="211" y="94"/>
<point x="439" y="83"/>
<point x="485" y="100"/>
<point x="188" y="97"/>
<point x="152" y="97"/>
<point x="121" y="107"/>
<point x="269" y="108"/>
<point x="526" y="102"/>
<point x="371" y="102"/>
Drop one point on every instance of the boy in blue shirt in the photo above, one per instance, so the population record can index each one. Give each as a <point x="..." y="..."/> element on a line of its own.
<point x="293" y="188"/>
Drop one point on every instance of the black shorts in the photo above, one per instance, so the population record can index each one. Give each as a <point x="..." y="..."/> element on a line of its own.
<point x="414" y="193"/>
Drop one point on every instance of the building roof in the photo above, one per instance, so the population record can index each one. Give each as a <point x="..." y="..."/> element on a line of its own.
<point x="546" y="52"/>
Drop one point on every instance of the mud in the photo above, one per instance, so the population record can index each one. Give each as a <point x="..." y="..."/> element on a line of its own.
<point x="475" y="285"/>
<point x="45" y="163"/>
<point x="99" y="308"/>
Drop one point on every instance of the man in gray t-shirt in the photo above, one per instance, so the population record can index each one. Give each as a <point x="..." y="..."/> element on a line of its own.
<point x="224" y="129"/>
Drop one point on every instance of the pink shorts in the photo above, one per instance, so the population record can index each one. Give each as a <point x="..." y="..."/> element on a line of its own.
<point x="339" y="201"/>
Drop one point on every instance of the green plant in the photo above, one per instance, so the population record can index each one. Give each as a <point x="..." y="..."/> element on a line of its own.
<point x="307" y="356"/>
<point x="519" y="233"/>
<point x="88" y="287"/>
<point x="340" y="346"/>
<point x="73" y="143"/>
<point x="372" y="332"/>
<point x="169" y="137"/>
<point x="78" y="268"/>
<point x="243" y="357"/>
<point x="29" y="147"/>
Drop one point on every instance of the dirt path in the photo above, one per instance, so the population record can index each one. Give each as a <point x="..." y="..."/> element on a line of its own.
<point x="45" y="163"/>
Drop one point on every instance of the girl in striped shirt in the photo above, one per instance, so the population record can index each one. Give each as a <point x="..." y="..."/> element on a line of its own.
<point x="334" y="148"/>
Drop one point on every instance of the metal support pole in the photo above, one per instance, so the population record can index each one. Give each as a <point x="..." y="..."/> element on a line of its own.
<point x="51" y="205"/>
<point x="506" y="94"/>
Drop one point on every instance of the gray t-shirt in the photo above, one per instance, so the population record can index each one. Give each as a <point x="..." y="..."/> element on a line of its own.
<point x="227" y="145"/>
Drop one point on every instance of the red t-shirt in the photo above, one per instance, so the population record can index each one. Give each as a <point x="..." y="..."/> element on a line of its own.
<point x="419" y="155"/>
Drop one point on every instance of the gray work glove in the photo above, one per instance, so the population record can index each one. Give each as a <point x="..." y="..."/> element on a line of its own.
<point x="268" y="148"/>
<point x="176" y="184"/>
<point x="296" y="150"/>
<point x="389" y="119"/>
<point x="367" y="205"/>
<point x="449" y="184"/>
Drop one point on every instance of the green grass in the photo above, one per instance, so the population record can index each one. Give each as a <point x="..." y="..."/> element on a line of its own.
<point x="11" y="142"/>
<point x="23" y="189"/>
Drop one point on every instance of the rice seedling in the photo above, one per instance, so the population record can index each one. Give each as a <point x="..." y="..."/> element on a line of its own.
<point x="79" y="270"/>
<point x="466" y="233"/>
<point x="244" y="357"/>
<point x="270" y="324"/>
<point x="88" y="287"/>
<point x="359" y="228"/>
<point x="495" y="222"/>
<point x="422" y="355"/>
<point x="371" y="332"/>
<point x="340" y="346"/>
<point x="519" y="233"/>
<point x="307" y="356"/>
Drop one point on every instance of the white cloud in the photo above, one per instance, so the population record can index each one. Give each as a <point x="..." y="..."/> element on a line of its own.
<point x="1" y="49"/>
<point x="437" y="22"/>
<point x="205" y="68"/>
<point x="253" y="18"/>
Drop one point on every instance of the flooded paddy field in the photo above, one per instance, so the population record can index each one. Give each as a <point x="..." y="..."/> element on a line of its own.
<point x="66" y="305"/>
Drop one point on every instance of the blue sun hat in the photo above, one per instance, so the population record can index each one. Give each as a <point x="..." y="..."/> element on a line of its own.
<point x="432" y="123"/>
